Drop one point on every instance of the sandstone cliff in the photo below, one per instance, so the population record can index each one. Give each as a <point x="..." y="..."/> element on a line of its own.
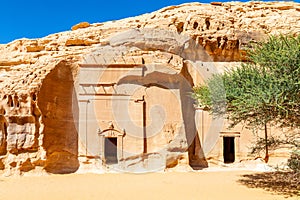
<point x="31" y="111"/>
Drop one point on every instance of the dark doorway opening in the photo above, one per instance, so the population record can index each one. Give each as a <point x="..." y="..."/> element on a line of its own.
<point x="110" y="152"/>
<point x="228" y="149"/>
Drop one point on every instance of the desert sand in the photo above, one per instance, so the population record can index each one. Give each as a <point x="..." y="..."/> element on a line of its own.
<point x="204" y="185"/>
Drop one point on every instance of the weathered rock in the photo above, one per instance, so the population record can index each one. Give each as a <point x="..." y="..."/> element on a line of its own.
<point x="61" y="163"/>
<point x="79" y="42"/>
<point x="80" y="25"/>
<point x="151" y="162"/>
<point x="216" y="3"/>
<point x="3" y="135"/>
<point x="39" y="78"/>
<point x="26" y="166"/>
<point x="35" y="48"/>
<point x="13" y="62"/>
<point x="2" y="166"/>
<point x="21" y="133"/>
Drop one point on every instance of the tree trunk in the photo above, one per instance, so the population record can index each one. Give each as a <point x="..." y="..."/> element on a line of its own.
<point x="266" y="144"/>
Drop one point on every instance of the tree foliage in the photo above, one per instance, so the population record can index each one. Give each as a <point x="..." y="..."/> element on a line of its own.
<point x="294" y="161"/>
<point x="264" y="90"/>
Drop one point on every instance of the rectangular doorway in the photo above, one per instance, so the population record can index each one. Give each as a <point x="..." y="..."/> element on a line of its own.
<point x="228" y="149"/>
<point x="111" y="150"/>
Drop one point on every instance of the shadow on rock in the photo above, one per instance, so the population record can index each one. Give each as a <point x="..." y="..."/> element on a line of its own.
<point x="62" y="163"/>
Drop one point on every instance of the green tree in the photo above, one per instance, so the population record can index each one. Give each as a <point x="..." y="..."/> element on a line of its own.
<point x="264" y="91"/>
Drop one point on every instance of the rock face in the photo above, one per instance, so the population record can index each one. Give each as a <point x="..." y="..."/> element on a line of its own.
<point x="40" y="79"/>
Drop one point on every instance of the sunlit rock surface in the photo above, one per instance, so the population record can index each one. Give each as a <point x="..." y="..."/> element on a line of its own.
<point x="40" y="125"/>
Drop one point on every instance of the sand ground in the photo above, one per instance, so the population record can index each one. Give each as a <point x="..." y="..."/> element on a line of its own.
<point x="172" y="185"/>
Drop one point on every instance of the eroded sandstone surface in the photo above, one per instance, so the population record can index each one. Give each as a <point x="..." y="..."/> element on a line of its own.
<point x="38" y="76"/>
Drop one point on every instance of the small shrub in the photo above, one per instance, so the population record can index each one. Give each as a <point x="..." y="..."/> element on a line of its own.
<point x="294" y="161"/>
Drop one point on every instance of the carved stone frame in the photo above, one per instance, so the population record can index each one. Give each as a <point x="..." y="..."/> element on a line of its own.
<point x="237" y="136"/>
<point x="112" y="133"/>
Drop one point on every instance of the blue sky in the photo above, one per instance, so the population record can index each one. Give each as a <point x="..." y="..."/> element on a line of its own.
<point x="38" y="18"/>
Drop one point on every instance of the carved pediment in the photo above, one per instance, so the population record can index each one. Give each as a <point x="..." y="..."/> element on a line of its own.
<point x="111" y="132"/>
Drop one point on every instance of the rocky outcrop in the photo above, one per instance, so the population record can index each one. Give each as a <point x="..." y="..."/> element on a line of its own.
<point x="37" y="77"/>
<point x="80" y="25"/>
